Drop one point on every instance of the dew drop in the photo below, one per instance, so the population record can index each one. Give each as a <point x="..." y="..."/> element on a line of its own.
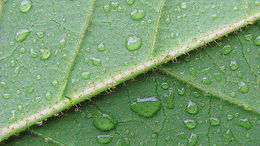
<point x="13" y="116"/>
<point x="55" y="83"/>
<point x="214" y="121"/>
<point x="104" y="122"/>
<point x="19" y="107"/>
<point x="230" y="117"/>
<point x="45" y="54"/>
<point x="243" y="88"/>
<point x="192" y="108"/>
<point x="174" y="35"/>
<point x="29" y="90"/>
<point x="85" y="75"/>
<point x="226" y="50"/>
<point x="146" y="107"/>
<point x="196" y="94"/>
<point x="138" y="15"/>
<point x="114" y="4"/>
<point x="48" y="96"/>
<point x="6" y="96"/>
<point x="3" y="85"/>
<point x="181" y="91"/>
<point x="130" y="2"/>
<point x="228" y="137"/>
<point x="101" y="47"/>
<point x="245" y="123"/>
<point x="165" y="86"/>
<point x="190" y="124"/>
<point x="233" y="65"/>
<point x="248" y="37"/>
<point x="232" y="94"/>
<point x="133" y="43"/>
<point x="206" y="81"/>
<point x="40" y="35"/>
<point x="192" y="139"/>
<point x="22" y="34"/>
<point x="22" y="50"/>
<point x="33" y="53"/>
<point x="96" y="62"/>
<point x="257" y="40"/>
<point x="104" y="139"/>
<point x="106" y="8"/>
<point x="167" y="21"/>
<point x="183" y="5"/>
<point x="25" y="6"/>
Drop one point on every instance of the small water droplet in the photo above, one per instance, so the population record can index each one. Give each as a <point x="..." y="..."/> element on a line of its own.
<point x="257" y="40"/>
<point x="214" y="121"/>
<point x="104" y="139"/>
<point x="165" y="85"/>
<point x="101" y="47"/>
<point x="130" y="2"/>
<point x="3" y="85"/>
<point x="233" y="65"/>
<point x="33" y="53"/>
<point x="114" y="4"/>
<point x="104" y="122"/>
<point x="167" y="20"/>
<point x="206" y="81"/>
<point x="22" y="34"/>
<point x="48" y="96"/>
<point x="45" y="54"/>
<point x="96" y="62"/>
<point x="243" y="88"/>
<point x="6" y="96"/>
<point x="230" y="117"/>
<point x="29" y="90"/>
<point x="228" y="137"/>
<point x="192" y="139"/>
<point x="25" y="6"/>
<point x="19" y="107"/>
<point x="85" y="75"/>
<point x="13" y="117"/>
<point x="133" y="43"/>
<point x="106" y="8"/>
<point x="40" y="35"/>
<point x="181" y="91"/>
<point x="226" y="50"/>
<point x="192" y="108"/>
<point x="196" y="94"/>
<point x="146" y="107"/>
<point x="190" y="124"/>
<point x="248" y="37"/>
<point x="55" y="83"/>
<point x="183" y="5"/>
<point x="245" y="123"/>
<point x="174" y="35"/>
<point x="232" y="94"/>
<point x="22" y="50"/>
<point x="62" y="43"/>
<point x="138" y="15"/>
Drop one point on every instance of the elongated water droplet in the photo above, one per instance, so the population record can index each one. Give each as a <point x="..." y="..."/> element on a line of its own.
<point x="22" y="34"/>
<point x="226" y="50"/>
<point x="25" y="6"/>
<point x="146" y="107"/>
<point x="133" y="43"/>
<point x="138" y="15"/>
<point x="45" y="54"/>
<point x="13" y="117"/>
<point x="190" y="124"/>
<point x="85" y="75"/>
<point x="104" y="122"/>
<point x="214" y="121"/>
<point x="170" y="102"/>
<point x="243" y="88"/>
<point x="245" y="123"/>
<point x="192" y="108"/>
<point x="104" y="139"/>
<point x="3" y="85"/>
<point x="228" y="137"/>
<point x="257" y="40"/>
<point x="101" y="47"/>
<point x="192" y="139"/>
<point x="130" y="2"/>
<point x="233" y="65"/>
<point x="96" y="62"/>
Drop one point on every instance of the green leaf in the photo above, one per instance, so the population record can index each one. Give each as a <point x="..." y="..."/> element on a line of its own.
<point x="217" y="122"/>
<point x="228" y="69"/>
<point x="88" y="46"/>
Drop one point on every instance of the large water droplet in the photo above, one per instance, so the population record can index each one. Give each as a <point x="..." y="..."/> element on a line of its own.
<point x="192" y="108"/>
<point x="130" y="2"/>
<point x="192" y="139"/>
<point x="25" y="6"/>
<point x="104" y="122"/>
<point x="245" y="123"/>
<point x="13" y="117"/>
<point x="22" y="34"/>
<point x="190" y="124"/>
<point x="146" y="107"/>
<point x="214" y="121"/>
<point x="228" y="137"/>
<point x="243" y="88"/>
<point x="133" y="43"/>
<point x="104" y="139"/>
<point x="226" y="50"/>
<point x="138" y="15"/>
<point x="233" y="65"/>
<point x="257" y="40"/>
<point x="85" y="75"/>
<point x="101" y="47"/>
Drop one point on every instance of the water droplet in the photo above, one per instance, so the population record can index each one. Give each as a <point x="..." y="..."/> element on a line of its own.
<point x="206" y="81"/>
<point x="114" y="4"/>
<point x="104" y="139"/>
<point x="6" y="96"/>
<point x="12" y="43"/>
<point x="245" y="123"/>
<point x="104" y="122"/>
<point x="228" y="137"/>
<point x="96" y="62"/>
<point x="190" y="124"/>
<point x="214" y="121"/>
<point x="230" y="117"/>
<point x="3" y="85"/>
<point x="29" y="90"/>
<point x="33" y="53"/>
<point x="62" y="43"/>
<point x="13" y="117"/>
<point x="22" y="34"/>
<point x="133" y="43"/>
<point x="120" y="9"/>
<point x="45" y="54"/>
<point x="183" y="5"/>
<point x="243" y="88"/>
<point x="181" y="91"/>
<point x="85" y="75"/>
<point x="226" y="50"/>
<point x="48" y="96"/>
<point x="232" y="94"/>
<point x="196" y="94"/>
<point x="55" y="83"/>
<point x="25" y="6"/>
<point x="257" y="40"/>
<point x="146" y="107"/>
<point x="169" y="101"/>
<point x="101" y="47"/>
<point x="165" y="86"/>
<point x="138" y="15"/>
<point x="130" y="2"/>
<point x="19" y="107"/>
<point x="174" y="35"/>
<point x="248" y="37"/>
<point x="192" y="108"/>
<point x="106" y="8"/>
<point x="192" y="139"/>
<point x="233" y="65"/>
<point x="40" y="35"/>
<point x="168" y="21"/>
